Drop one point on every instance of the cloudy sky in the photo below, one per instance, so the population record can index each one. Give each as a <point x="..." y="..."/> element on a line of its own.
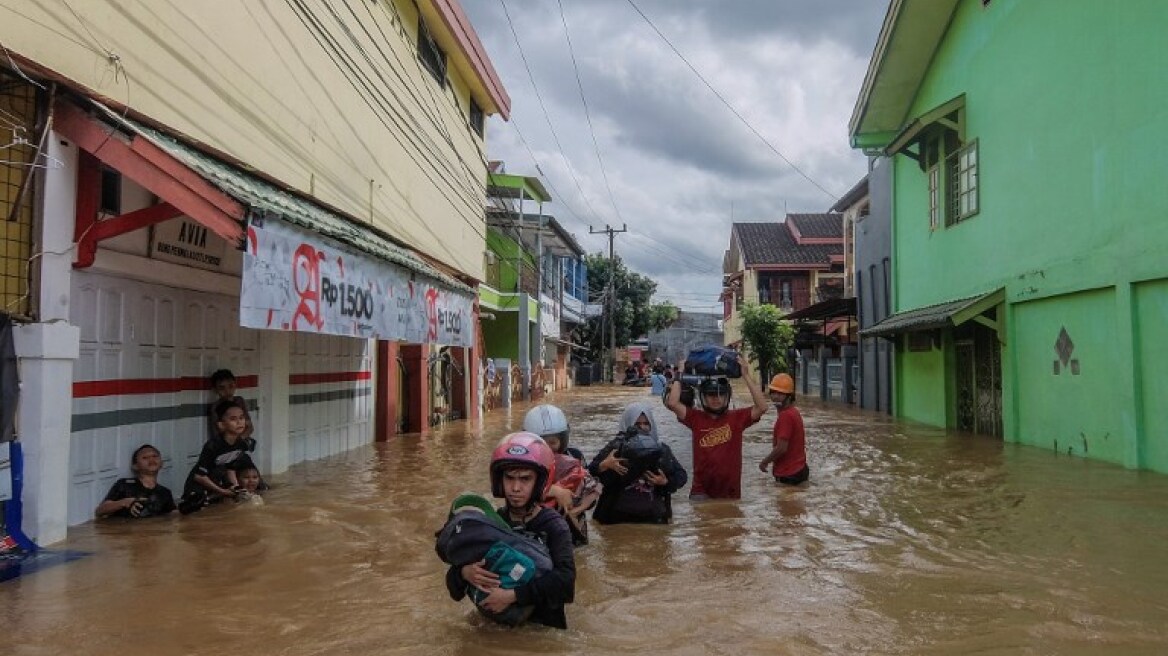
<point x="680" y="165"/>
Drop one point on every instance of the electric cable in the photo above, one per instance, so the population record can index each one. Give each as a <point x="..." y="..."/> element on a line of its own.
<point x="543" y="107"/>
<point x="587" y="114"/>
<point x="734" y="111"/>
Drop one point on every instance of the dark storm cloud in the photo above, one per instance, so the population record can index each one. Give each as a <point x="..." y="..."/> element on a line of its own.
<point x="680" y="165"/>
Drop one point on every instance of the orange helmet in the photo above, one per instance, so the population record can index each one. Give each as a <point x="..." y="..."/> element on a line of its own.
<point x="782" y="383"/>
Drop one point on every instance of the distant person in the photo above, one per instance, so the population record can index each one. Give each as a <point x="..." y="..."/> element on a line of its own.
<point x="658" y="381"/>
<point x="717" y="434"/>
<point x="638" y="471"/>
<point x="521" y="472"/>
<point x="788" y="452"/>
<point x="224" y="385"/>
<point x="631" y="377"/>
<point x="142" y="495"/>
<point x="216" y="474"/>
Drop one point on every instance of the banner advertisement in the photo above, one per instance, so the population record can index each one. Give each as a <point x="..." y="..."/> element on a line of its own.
<point x="297" y="281"/>
<point x="549" y="317"/>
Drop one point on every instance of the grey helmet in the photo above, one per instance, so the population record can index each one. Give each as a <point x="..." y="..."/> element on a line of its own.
<point x="547" y="420"/>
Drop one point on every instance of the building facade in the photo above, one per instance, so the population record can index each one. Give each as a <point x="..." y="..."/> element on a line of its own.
<point x="294" y="194"/>
<point x="1030" y="296"/>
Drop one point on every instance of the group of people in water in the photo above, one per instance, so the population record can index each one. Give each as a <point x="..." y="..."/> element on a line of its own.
<point x="548" y="489"/>
<point x="224" y="470"/>
<point x="548" y="485"/>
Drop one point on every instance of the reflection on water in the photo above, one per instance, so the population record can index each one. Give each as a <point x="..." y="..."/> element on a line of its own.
<point x="906" y="540"/>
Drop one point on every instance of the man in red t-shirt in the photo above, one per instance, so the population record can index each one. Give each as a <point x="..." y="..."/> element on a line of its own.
<point x="788" y="452"/>
<point x="717" y="434"/>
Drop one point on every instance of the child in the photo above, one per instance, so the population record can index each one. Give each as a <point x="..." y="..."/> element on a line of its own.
<point x="788" y="452"/>
<point x="224" y="384"/>
<point x="216" y="475"/>
<point x="573" y="489"/>
<point x="142" y="495"/>
<point x="251" y="484"/>
<point x="717" y="434"/>
<point x="638" y="472"/>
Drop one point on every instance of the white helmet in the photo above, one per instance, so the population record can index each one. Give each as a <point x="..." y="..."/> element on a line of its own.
<point x="547" y="420"/>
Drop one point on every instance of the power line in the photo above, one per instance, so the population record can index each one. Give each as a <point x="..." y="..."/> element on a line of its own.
<point x="381" y="107"/>
<point x="587" y="114"/>
<point x="546" y="115"/>
<point x="750" y="127"/>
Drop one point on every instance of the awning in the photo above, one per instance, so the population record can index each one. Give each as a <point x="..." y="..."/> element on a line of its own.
<point x="941" y="315"/>
<point x="111" y="136"/>
<point x="306" y="268"/>
<point x="909" y="134"/>
<point x="829" y="309"/>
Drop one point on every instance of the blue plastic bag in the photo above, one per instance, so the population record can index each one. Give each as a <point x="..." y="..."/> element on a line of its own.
<point x="712" y="360"/>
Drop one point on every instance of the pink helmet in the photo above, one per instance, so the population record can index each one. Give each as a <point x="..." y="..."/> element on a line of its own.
<point x="526" y="450"/>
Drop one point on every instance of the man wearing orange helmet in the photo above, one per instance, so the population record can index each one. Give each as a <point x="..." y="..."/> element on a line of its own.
<point x="789" y="453"/>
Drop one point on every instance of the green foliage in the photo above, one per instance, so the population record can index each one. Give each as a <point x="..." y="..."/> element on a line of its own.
<point x="636" y="315"/>
<point x="766" y="338"/>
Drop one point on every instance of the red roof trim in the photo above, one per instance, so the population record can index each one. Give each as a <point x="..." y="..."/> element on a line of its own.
<point x="472" y="49"/>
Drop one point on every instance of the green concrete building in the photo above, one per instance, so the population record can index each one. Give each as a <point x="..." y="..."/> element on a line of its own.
<point x="1030" y="255"/>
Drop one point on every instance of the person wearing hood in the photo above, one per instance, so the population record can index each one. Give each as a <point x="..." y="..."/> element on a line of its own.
<point x="639" y="472"/>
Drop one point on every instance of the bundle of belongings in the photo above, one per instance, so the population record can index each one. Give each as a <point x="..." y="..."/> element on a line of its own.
<point x="474" y="531"/>
<point x="713" y="360"/>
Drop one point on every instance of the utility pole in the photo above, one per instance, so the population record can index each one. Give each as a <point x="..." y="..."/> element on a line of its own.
<point x="610" y="295"/>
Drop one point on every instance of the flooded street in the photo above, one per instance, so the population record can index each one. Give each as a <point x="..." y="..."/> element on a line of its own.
<point x="906" y="541"/>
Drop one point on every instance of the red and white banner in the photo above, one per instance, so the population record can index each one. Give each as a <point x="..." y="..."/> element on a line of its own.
<point x="298" y="281"/>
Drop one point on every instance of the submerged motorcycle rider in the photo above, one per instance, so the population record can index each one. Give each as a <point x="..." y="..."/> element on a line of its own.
<point x="522" y="467"/>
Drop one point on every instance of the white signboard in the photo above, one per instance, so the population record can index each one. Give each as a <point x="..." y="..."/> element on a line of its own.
<point x="297" y="281"/>
<point x="186" y="242"/>
<point x="549" y="317"/>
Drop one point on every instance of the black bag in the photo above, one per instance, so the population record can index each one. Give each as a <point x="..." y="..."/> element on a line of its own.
<point x="642" y="451"/>
<point x="713" y="360"/>
<point x="639" y="501"/>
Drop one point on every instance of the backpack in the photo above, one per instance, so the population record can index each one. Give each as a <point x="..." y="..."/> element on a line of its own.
<point x="474" y="532"/>
<point x="711" y="360"/>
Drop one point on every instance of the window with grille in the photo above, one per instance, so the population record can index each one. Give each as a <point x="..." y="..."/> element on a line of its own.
<point x="934" y="175"/>
<point x="963" y="184"/>
<point x="431" y="56"/>
<point x="476" y="117"/>
<point x="17" y="124"/>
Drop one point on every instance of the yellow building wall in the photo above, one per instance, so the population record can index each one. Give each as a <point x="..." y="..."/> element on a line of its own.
<point x="372" y="134"/>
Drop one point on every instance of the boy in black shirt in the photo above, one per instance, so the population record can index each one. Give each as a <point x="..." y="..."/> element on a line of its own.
<point x="142" y="495"/>
<point x="224" y="384"/>
<point x="215" y="476"/>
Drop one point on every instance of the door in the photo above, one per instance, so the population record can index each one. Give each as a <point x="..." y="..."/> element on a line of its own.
<point x="978" y="379"/>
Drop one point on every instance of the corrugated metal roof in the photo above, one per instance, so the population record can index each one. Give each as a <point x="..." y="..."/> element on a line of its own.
<point x="265" y="198"/>
<point x="941" y="315"/>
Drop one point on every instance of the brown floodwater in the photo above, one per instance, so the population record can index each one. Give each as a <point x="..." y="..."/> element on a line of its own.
<point x="907" y="540"/>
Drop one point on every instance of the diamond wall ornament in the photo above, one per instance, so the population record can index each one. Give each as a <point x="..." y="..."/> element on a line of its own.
<point x="1063" y="346"/>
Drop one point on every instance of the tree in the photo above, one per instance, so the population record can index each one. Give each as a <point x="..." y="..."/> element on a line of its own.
<point x="636" y="315"/>
<point x="766" y="338"/>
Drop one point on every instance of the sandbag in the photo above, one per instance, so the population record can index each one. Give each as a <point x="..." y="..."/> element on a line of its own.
<point x="712" y="360"/>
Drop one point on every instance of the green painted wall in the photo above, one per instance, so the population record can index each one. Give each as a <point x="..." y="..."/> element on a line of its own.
<point x="501" y="335"/>
<point x="1069" y="105"/>
<point x="510" y="254"/>
<point x="1151" y="316"/>
<point x="1068" y="411"/>
<point x="921" y="396"/>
